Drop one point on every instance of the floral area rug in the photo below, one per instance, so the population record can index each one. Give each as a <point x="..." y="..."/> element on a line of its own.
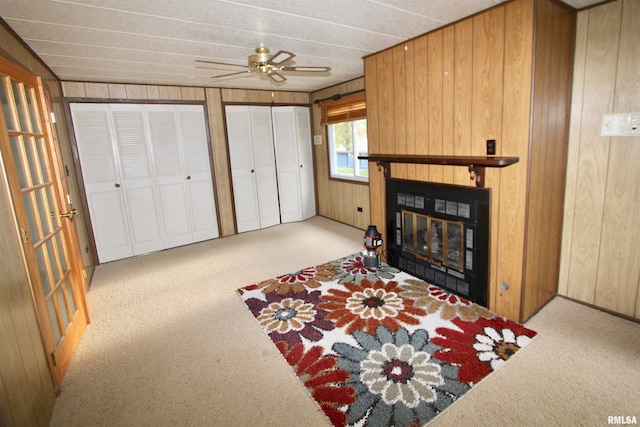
<point x="377" y="346"/>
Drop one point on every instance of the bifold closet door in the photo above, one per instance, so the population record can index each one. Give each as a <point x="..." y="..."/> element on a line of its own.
<point x="107" y="212"/>
<point x="146" y="175"/>
<point x="198" y="172"/>
<point x="136" y="178"/>
<point x="294" y="163"/>
<point x="182" y="173"/>
<point x="305" y="159"/>
<point x="113" y="172"/>
<point x="253" y="171"/>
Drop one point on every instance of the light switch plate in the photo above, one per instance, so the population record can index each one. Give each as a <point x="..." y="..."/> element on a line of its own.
<point x="317" y="139"/>
<point x="621" y="124"/>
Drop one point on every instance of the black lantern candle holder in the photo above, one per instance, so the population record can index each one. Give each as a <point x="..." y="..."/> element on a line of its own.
<point x="372" y="241"/>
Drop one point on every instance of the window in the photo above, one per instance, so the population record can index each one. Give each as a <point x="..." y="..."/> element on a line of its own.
<point x="347" y="141"/>
<point x="346" y="123"/>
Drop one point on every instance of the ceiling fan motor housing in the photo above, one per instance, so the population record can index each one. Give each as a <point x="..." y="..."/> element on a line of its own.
<point x="258" y="61"/>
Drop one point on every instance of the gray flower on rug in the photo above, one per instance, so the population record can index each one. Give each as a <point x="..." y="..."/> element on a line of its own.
<point x="352" y="269"/>
<point x="396" y="379"/>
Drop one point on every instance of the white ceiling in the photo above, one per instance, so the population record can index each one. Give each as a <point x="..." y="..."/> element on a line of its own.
<point x="158" y="41"/>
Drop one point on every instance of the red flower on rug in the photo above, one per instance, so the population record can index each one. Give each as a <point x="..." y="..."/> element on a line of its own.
<point x="481" y="347"/>
<point x="324" y="381"/>
<point x="355" y="266"/>
<point x="366" y="305"/>
<point x="298" y="281"/>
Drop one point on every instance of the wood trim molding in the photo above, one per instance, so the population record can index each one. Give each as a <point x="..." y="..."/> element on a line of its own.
<point x="476" y="164"/>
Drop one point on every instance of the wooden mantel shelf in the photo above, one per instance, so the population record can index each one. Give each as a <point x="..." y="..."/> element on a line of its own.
<point x="476" y="164"/>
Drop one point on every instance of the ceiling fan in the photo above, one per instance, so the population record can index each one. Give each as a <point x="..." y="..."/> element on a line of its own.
<point x="263" y="62"/>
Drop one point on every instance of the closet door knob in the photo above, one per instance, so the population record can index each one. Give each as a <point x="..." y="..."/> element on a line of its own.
<point x="117" y="185"/>
<point x="188" y="177"/>
<point x="252" y="170"/>
<point x="300" y="165"/>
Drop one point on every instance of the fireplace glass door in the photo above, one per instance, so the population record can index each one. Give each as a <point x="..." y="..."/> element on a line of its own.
<point x="454" y="248"/>
<point x="436" y="240"/>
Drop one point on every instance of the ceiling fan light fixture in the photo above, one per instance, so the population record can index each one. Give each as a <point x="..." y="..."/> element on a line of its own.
<point x="259" y="59"/>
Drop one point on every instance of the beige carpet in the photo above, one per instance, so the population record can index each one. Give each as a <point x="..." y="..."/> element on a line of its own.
<point x="171" y="343"/>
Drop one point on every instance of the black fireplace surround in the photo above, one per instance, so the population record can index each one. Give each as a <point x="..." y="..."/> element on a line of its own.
<point x="440" y="233"/>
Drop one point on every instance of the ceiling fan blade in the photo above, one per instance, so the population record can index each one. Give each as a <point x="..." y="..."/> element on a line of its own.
<point x="220" y="63"/>
<point x="276" y="77"/>
<point x="213" y="68"/>
<point x="279" y="57"/>
<point x="307" y="69"/>
<point x="230" y="74"/>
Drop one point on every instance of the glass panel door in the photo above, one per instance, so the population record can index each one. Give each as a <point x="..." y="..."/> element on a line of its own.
<point x="42" y="215"/>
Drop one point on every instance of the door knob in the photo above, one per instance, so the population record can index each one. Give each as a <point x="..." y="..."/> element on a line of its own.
<point x="252" y="170"/>
<point x="69" y="214"/>
<point x="188" y="177"/>
<point x="117" y="185"/>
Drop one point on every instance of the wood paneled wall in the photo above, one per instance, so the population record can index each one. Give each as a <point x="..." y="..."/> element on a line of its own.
<point x="214" y="100"/>
<point x="26" y="389"/>
<point x="553" y="62"/>
<point x="337" y="199"/>
<point x="496" y="76"/>
<point x="600" y="262"/>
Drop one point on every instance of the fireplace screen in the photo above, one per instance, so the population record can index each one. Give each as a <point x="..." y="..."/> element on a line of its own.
<point x="440" y="234"/>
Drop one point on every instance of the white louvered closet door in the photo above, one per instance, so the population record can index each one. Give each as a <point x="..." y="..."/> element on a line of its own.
<point x="245" y="191"/>
<point x="294" y="162"/>
<point x="265" y="165"/>
<point x="156" y="190"/>
<point x="197" y="172"/>
<point x="182" y="173"/>
<point x="253" y="168"/>
<point x="170" y="178"/>
<point x="287" y="163"/>
<point x="137" y="179"/>
<point x="101" y="176"/>
<point x="305" y="159"/>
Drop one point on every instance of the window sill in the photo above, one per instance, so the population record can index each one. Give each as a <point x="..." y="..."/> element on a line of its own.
<point x="348" y="181"/>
